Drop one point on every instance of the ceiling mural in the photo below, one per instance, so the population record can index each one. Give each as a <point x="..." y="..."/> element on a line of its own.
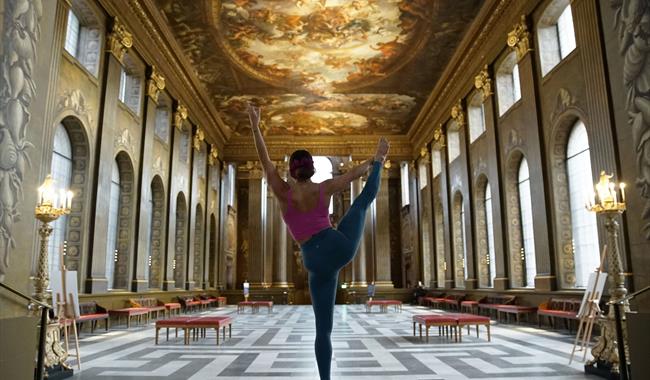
<point x="319" y="67"/>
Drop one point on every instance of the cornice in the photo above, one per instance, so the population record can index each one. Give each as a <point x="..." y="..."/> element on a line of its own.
<point x="478" y="48"/>
<point x="155" y="43"/>
<point x="241" y="148"/>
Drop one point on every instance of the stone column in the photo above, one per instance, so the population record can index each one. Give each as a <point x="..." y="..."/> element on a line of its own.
<point x="382" y="233"/>
<point x="118" y="41"/>
<point x="256" y="213"/>
<point x="155" y="84"/>
<point x="280" y="245"/>
<point x="359" y="262"/>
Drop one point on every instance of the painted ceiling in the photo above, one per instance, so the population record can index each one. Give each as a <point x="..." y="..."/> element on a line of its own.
<point x="319" y="67"/>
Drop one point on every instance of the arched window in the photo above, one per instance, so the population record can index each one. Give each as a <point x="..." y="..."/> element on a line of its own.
<point x="476" y="115"/>
<point x="555" y="34"/>
<point x="526" y="215"/>
<point x="404" y="180"/>
<point x="61" y="171"/>
<point x="583" y="223"/>
<point x="323" y="167"/>
<point x="508" y="83"/>
<point x="113" y="216"/>
<point x="489" y="226"/>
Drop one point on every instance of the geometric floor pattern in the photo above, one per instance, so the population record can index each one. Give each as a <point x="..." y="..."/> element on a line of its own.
<point x="366" y="346"/>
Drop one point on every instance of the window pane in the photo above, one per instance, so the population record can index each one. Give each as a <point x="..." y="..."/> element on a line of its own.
<point x="423" y="175"/>
<point x="113" y="213"/>
<point x="404" y="177"/>
<point x="583" y="223"/>
<point x="436" y="162"/>
<point x="61" y="171"/>
<point x="490" y="236"/>
<point x="516" y="89"/>
<point x="162" y="124"/>
<point x="476" y="122"/>
<point x="122" y="94"/>
<point x="453" y="145"/>
<point x="526" y="208"/>
<point x="72" y="34"/>
<point x="566" y="33"/>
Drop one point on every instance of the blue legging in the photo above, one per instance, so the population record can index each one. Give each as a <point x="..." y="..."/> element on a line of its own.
<point x="324" y="255"/>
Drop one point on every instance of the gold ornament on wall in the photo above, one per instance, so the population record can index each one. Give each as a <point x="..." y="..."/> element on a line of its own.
<point x="458" y="114"/>
<point x="483" y="83"/>
<point x="119" y="40"/>
<point x="439" y="137"/>
<point x="180" y="115"/>
<point x="519" y="39"/>
<point x="214" y="154"/>
<point x="155" y="84"/>
<point x="199" y="137"/>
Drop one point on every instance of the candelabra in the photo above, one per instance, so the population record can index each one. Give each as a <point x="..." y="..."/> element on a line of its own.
<point x="606" y="203"/>
<point x="50" y="207"/>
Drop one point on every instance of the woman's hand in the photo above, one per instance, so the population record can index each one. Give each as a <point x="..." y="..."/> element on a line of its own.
<point x="382" y="150"/>
<point x="254" y="113"/>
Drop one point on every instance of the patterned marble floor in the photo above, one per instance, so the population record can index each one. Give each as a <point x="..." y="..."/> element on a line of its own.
<point x="366" y="346"/>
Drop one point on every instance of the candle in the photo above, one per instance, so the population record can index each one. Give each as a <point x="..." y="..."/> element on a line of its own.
<point x="612" y="192"/>
<point x="69" y="203"/>
<point x="622" y="186"/>
<point x="63" y="200"/>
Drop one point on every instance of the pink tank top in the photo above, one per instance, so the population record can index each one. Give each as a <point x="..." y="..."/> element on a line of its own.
<point x="304" y="225"/>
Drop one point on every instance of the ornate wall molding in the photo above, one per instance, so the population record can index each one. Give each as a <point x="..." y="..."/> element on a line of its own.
<point x="519" y="39"/>
<point x="458" y="115"/>
<point x="157" y="250"/>
<point x="634" y="39"/>
<point x="21" y="31"/>
<point x="480" y="224"/>
<point x="213" y="156"/>
<point x="74" y="100"/>
<point x="155" y="84"/>
<point x="513" y="215"/>
<point x="180" y="234"/>
<point x="198" y="139"/>
<point x="180" y="115"/>
<point x="119" y="40"/>
<point x="483" y="83"/>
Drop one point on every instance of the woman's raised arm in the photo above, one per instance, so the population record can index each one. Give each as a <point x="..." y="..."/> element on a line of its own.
<point x="278" y="185"/>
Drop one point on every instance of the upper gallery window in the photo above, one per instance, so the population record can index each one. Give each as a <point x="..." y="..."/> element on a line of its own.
<point x="436" y="162"/>
<point x="555" y="34"/>
<point x="162" y="124"/>
<point x="476" y="113"/>
<point x="130" y="90"/>
<point x="423" y="174"/>
<point x="83" y="38"/>
<point x="508" y="83"/>
<point x="453" y="141"/>
<point x="404" y="177"/>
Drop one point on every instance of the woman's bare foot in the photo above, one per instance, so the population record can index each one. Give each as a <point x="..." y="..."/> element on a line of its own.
<point x="382" y="150"/>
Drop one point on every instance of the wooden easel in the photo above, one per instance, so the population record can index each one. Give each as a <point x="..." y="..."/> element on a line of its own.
<point x="65" y="313"/>
<point x="586" y="322"/>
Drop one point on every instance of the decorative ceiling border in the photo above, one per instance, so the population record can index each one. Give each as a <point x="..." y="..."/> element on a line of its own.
<point x="157" y="45"/>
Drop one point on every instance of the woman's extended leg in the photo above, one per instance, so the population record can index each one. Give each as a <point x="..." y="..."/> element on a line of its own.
<point x="322" y="287"/>
<point x="352" y="223"/>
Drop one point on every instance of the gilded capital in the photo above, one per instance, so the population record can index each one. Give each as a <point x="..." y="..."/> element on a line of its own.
<point x="254" y="169"/>
<point x="180" y="115"/>
<point x="483" y="83"/>
<point x="214" y="154"/>
<point x="439" y="137"/>
<point x="119" y="40"/>
<point x="387" y="166"/>
<point x="519" y="39"/>
<point x="155" y="84"/>
<point x="458" y="114"/>
<point x="199" y="137"/>
<point x="424" y="155"/>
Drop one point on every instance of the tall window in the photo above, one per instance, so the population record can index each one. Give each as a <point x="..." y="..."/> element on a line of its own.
<point x="130" y="90"/>
<point x="453" y="142"/>
<point x="72" y="34"/>
<point x="526" y="209"/>
<point x="464" y="236"/>
<point x="62" y="175"/>
<point x="323" y="167"/>
<point x="113" y="214"/>
<point x="476" y="114"/>
<point x="423" y="174"/>
<point x="490" y="236"/>
<point x="162" y="124"/>
<point x="555" y="34"/>
<point x="436" y="162"/>
<point x="583" y="223"/>
<point x="231" y="184"/>
<point x="404" y="178"/>
<point x="508" y="83"/>
<point x="147" y="265"/>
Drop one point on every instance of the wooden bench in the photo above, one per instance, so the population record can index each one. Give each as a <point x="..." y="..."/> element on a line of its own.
<point x="471" y="320"/>
<point x="451" y="323"/>
<point x="517" y="310"/>
<point x="254" y="305"/>
<point x="189" y="303"/>
<point x="383" y="305"/>
<point x="193" y="327"/>
<point x="92" y="312"/>
<point x="563" y="308"/>
<point x="173" y="308"/>
<point x="454" y="300"/>
<point x="488" y="305"/>
<point x="152" y="304"/>
<point x="222" y="301"/>
<point x="130" y="312"/>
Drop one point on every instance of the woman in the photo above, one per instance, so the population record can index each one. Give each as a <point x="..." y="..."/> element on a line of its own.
<point x="325" y="250"/>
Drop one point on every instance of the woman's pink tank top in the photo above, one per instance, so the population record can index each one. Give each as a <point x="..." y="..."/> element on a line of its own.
<point x="304" y="225"/>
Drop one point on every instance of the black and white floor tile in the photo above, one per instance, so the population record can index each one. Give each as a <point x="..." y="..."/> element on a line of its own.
<point x="366" y="346"/>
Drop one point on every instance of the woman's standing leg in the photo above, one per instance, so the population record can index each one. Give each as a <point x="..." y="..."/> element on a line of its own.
<point x="322" y="287"/>
<point x="353" y="221"/>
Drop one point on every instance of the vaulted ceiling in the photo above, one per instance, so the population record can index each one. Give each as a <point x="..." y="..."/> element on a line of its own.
<point x="319" y="67"/>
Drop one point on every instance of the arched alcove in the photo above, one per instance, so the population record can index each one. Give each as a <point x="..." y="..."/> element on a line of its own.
<point x="180" y="234"/>
<point x="198" y="247"/>
<point x="157" y="233"/>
